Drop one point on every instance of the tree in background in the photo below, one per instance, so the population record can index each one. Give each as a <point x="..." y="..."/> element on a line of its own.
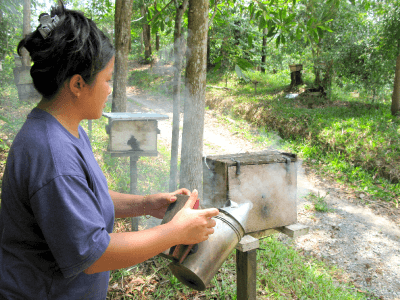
<point x="26" y="60"/>
<point x="123" y="14"/>
<point x="395" y="108"/>
<point x="11" y="24"/>
<point x="191" y="174"/>
<point x="146" y="34"/>
<point x="390" y="45"/>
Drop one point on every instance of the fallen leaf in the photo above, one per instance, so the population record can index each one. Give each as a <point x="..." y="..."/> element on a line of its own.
<point x="137" y="281"/>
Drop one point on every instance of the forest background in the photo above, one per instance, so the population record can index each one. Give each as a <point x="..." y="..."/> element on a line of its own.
<point x="347" y="48"/>
<point x="351" y="49"/>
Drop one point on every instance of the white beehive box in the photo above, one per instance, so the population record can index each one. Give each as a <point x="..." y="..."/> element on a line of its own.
<point x="133" y="133"/>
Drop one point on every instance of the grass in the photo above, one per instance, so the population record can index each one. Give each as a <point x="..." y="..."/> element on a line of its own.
<point x="288" y="274"/>
<point x="319" y="202"/>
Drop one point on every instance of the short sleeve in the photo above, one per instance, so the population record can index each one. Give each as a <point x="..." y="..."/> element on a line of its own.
<point x="72" y="223"/>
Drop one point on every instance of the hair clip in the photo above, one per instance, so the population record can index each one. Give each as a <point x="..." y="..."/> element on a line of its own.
<point x="47" y="24"/>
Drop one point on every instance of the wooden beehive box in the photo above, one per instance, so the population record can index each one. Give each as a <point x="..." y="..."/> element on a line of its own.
<point x="133" y="132"/>
<point x="268" y="179"/>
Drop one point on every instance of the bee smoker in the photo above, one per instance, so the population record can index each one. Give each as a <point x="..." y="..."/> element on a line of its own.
<point x="197" y="269"/>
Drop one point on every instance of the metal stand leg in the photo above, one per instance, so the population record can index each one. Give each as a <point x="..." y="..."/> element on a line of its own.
<point x="246" y="268"/>
<point x="133" y="185"/>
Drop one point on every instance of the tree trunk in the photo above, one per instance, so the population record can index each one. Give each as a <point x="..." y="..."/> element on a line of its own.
<point x="123" y="14"/>
<point x="157" y="34"/>
<point x="146" y="36"/>
<point x="327" y="81"/>
<point x="173" y="175"/>
<point x="157" y="41"/>
<point x="26" y="61"/>
<point x="191" y="175"/>
<point x="141" y="42"/>
<point x="210" y="21"/>
<point x="264" y="48"/>
<point x="396" y="89"/>
<point x="3" y="36"/>
<point x="209" y="64"/>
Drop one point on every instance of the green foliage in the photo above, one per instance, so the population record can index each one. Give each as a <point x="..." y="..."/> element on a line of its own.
<point x="10" y="26"/>
<point x="319" y="202"/>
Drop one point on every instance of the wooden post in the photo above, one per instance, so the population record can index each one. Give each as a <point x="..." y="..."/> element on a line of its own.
<point x="246" y="268"/>
<point x="133" y="186"/>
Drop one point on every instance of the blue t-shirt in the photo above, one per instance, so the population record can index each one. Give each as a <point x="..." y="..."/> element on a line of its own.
<point x="56" y="215"/>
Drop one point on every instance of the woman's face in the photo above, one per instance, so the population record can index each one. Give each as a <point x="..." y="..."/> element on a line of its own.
<point x="95" y="95"/>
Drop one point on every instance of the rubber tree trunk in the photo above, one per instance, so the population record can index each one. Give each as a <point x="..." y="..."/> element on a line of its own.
<point x="191" y="175"/>
<point x="157" y="41"/>
<point x="123" y="14"/>
<point x="157" y="33"/>
<point x="264" y="50"/>
<point x="146" y="35"/>
<point x="26" y="61"/>
<point x="178" y="37"/>
<point x="209" y="65"/>
<point x="396" y="89"/>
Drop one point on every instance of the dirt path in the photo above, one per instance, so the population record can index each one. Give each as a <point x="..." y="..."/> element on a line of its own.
<point x="363" y="241"/>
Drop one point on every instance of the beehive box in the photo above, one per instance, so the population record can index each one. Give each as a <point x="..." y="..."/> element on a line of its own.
<point x="133" y="132"/>
<point x="267" y="179"/>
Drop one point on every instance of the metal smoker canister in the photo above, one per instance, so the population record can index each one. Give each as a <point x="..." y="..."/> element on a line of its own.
<point x="199" y="268"/>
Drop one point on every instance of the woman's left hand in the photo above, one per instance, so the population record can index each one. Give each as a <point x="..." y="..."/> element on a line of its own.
<point x="156" y="205"/>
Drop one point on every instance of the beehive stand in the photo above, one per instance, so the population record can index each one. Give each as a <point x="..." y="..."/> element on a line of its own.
<point x="133" y="135"/>
<point x="246" y="260"/>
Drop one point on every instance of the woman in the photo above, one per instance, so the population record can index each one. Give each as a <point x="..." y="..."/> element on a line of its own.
<point x="57" y="215"/>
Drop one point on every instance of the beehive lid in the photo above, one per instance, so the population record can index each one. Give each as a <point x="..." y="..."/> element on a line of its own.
<point x="254" y="158"/>
<point x="126" y="116"/>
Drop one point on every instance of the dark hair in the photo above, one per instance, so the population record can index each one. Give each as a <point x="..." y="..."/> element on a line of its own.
<point x="75" y="46"/>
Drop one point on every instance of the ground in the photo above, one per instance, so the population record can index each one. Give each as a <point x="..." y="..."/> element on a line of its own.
<point x="362" y="240"/>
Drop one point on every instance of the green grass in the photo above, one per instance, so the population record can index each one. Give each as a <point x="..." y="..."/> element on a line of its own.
<point x="319" y="202"/>
<point x="288" y="274"/>
<point x="150" y="80"/>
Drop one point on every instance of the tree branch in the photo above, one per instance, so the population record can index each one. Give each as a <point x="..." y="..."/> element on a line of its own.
<point x="158" y="13"/>
<point x="215" y="12"/>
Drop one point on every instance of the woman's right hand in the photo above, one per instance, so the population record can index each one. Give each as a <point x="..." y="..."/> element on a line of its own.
<point x="194" y="225"/>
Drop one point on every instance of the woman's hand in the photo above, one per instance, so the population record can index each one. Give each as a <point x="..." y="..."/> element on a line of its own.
<point x="156" y="205"/>
<point x="194" y="225"/>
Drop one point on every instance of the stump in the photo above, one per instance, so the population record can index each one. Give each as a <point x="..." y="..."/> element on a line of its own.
<point x="255" y="82"/>
<point x="295" y="78"/>
<point x="295" y="75"/>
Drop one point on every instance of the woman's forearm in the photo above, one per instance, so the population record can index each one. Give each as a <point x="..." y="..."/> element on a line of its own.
<point x="126" y="205"/>
<point x="189" y="226"/>
<point x="130" y="248"/>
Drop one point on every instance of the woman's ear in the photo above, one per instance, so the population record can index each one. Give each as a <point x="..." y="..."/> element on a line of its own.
<point x="76" y="84"/>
